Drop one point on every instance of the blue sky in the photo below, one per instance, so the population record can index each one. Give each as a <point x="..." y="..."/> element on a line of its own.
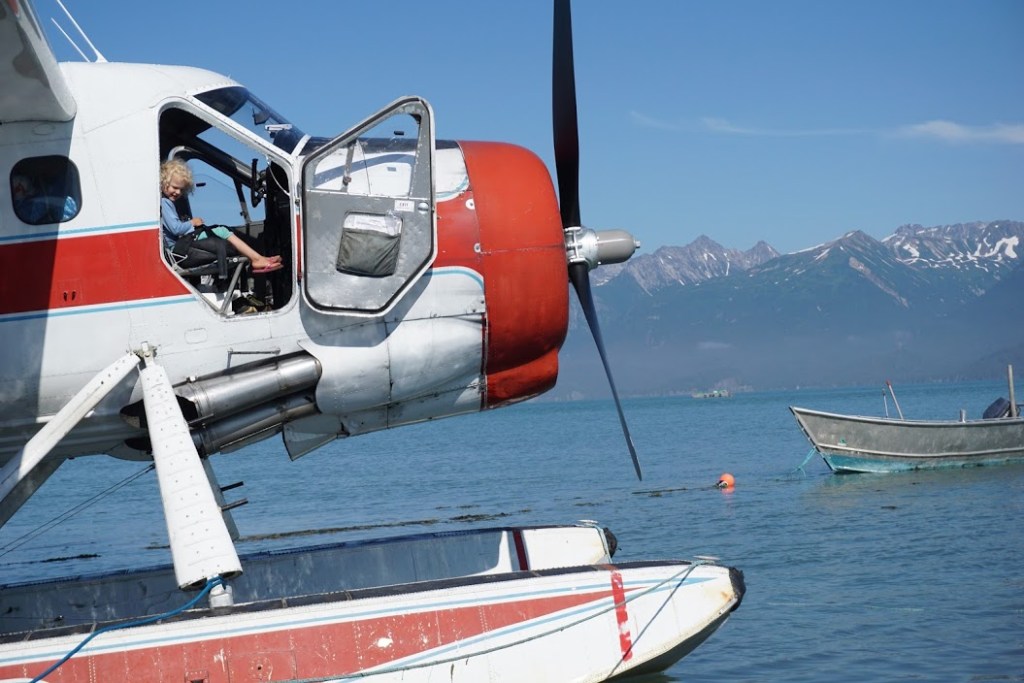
<point x="790" y="122"/>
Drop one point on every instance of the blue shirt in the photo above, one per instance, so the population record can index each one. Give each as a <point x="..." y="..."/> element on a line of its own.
<point x="173" y="226"/>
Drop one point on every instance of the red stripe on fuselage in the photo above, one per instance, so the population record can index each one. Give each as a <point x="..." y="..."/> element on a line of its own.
<point x="84" y="271"/>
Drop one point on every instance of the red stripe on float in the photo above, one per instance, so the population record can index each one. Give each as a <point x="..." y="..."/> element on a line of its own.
<point x="331" y="650"/>
<point x="619" y="596"/>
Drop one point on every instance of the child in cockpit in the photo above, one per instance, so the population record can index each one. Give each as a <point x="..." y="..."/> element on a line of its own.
<point x="176" y="180"/>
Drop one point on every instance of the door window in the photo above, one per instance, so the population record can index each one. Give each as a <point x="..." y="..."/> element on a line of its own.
<point x="368" y="211"/>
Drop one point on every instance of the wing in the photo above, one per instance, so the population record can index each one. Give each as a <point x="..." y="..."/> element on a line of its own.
<point x="32" y="87"/>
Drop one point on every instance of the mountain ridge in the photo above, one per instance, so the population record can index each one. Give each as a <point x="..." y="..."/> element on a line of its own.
<point x="921" y="304"/>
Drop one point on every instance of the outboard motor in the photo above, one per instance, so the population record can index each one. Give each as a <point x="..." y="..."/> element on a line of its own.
<point x="999" y="408"/>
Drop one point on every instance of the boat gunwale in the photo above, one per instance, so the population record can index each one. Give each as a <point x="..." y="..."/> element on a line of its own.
<point x="895" y="421"/>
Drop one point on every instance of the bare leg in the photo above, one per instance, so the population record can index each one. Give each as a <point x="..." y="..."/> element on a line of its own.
<point x="257" y="259"/>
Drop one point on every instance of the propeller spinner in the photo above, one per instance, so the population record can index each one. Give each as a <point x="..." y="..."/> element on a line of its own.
<point x="585" y="248"/>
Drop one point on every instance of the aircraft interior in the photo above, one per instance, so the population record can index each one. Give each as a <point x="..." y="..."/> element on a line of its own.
<point x="238" y="186"/>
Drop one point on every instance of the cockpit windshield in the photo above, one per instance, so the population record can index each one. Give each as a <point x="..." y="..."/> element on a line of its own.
<point x="254" y="115"/>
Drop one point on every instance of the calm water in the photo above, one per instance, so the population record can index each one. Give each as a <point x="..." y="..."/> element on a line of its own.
<point x="916" y="576"/>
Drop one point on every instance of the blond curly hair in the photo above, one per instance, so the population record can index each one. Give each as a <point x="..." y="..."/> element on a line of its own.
<point x="176" y="169"/>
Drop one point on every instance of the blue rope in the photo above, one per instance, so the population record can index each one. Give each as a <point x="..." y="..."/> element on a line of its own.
<point x="215" y="581"/>
<point x="810" y="454"/>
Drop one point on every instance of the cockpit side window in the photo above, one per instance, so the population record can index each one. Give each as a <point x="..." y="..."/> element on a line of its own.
<point x="46" y="190"/>
<point x="253" y="114"/>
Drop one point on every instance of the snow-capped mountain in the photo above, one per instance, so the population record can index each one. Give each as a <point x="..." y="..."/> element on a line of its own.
<point x="703" y="259"/>
<point x="978" y="250"/>
<point x="919" y="304"/>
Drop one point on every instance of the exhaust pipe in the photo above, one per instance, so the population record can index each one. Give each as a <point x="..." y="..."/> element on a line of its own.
<point x="228" y="411"/>
<point x="242" y="429"/>
<point x="219" y="396"/>
<point x="256" y="424"/>
<point x="222" y="395"/>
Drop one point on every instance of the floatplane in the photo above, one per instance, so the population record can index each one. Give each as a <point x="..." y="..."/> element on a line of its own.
<point x="419" y="279"/>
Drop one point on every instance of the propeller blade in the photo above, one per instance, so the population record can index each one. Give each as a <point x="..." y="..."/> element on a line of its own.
<point x="580" y="278"/>
<point x="563" y="103"/>
<point x="567" y="166"/>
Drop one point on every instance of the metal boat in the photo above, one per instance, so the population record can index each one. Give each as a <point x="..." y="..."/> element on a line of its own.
<point x="857" y="443"/>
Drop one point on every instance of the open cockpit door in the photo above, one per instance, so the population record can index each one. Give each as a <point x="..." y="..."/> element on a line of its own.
<point x="368" y="211"/>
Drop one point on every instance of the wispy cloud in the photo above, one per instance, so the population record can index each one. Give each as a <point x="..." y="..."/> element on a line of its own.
<point x="944" y="131"/>
<point x="950" y="131"/>
<point x="645" y="121"/>
<point x="723" y="126"/>
<point x="713" y="346"/>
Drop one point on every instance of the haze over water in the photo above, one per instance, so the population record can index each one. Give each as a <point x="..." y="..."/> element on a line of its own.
<point x="914" y="576"/>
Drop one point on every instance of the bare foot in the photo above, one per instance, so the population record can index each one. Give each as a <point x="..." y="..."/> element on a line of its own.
<point x="264" y="262"/>
<point x="269" y="268"/>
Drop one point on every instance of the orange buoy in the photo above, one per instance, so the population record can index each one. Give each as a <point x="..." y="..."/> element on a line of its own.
<point x="726" y="481"/>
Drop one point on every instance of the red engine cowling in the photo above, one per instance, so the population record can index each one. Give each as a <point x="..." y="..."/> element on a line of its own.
<point x="509" y="218"/>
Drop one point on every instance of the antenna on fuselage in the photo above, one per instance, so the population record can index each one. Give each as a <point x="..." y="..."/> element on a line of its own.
<point x="99" y="55"/>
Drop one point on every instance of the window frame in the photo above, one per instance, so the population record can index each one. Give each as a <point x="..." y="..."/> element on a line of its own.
<point x="41" y="188"/>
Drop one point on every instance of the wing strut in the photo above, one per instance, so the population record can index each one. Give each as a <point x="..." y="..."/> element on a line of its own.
<point x="25" y="473"/>
<point x="200" y="540"/>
